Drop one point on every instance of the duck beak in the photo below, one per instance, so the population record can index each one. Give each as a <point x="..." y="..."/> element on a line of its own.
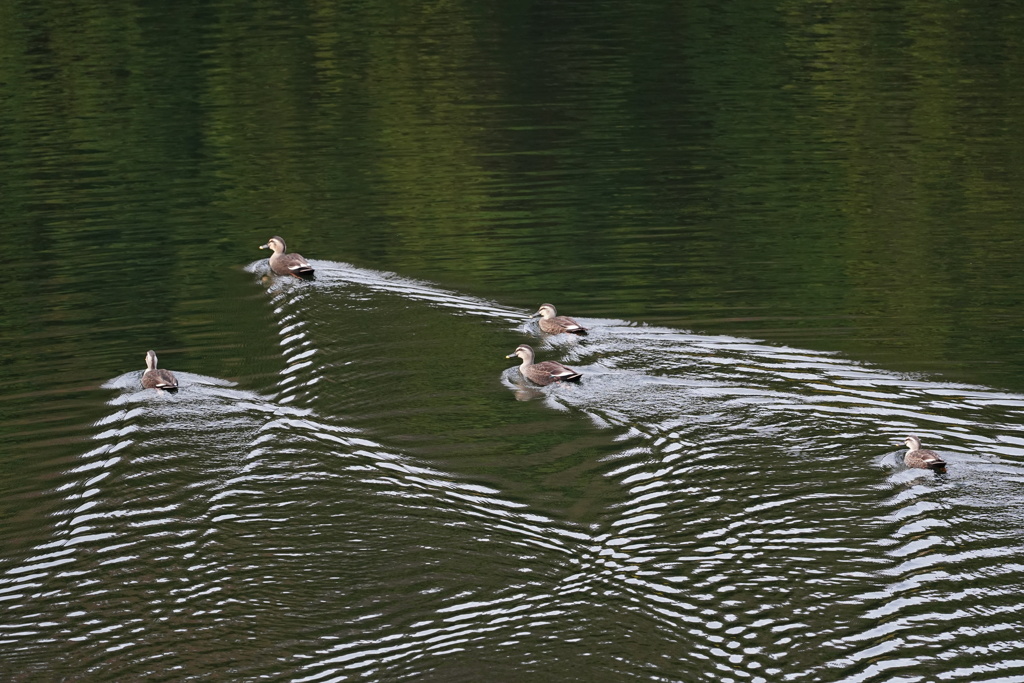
<point x="511" y="355"/>
<point x="534" y="315"/>
<point x="264" y="246"/>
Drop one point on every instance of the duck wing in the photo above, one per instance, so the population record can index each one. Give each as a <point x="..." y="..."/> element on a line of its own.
<point x="549" y="371"/>
<point x="159" y="379"/>
<point x="292" y="264"/>
<point x="570" y="325"/>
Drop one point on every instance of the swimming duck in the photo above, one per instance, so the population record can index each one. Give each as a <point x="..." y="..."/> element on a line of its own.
<point x="542" y="373"/>
<point x="922" y="458"/>
<point x="552" y="323"/>
<point x="284" y="263"/>
<point x="153" y="378"/>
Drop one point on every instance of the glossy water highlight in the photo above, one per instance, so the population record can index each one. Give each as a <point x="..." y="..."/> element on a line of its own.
<point x="353" y="484"/>
<point x="708" y="507"/>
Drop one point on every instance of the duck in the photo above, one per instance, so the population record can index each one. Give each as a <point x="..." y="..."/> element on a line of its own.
<point x="154" y="378"/>
<point x="543" y="373"/>
<point x="552" y="323"/>
<point x="284" y="263"/>
<point x="922" y="458"/>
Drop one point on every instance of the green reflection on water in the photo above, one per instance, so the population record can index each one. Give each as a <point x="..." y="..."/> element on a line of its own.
<point x="827" y="178"/>
<point x="806" y="173"/>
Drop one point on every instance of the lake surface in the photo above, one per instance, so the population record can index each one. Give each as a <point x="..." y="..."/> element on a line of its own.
<point x="794" y="232"/>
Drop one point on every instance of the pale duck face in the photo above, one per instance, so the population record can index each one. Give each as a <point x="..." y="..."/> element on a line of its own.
<point x="546" y="311"/>
<point x="275" y="243"/>
<point x="522" y="351"/>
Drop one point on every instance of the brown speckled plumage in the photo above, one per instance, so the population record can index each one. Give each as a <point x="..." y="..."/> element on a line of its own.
<point x="543" y="373"/>
<point x="283" y="263"/>
<point x="155" y="378"/>
<point x="552" y="323"/>
<point x="922" y="458"/>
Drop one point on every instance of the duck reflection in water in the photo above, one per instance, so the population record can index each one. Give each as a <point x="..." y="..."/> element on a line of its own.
<point x="922" y="458"/>
<point x="525" y="392"/>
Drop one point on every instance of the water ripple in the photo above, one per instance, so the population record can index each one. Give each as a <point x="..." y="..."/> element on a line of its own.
<point x="759" y="514"/>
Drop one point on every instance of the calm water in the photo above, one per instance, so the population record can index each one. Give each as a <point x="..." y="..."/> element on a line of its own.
<point x="795" y="234"/>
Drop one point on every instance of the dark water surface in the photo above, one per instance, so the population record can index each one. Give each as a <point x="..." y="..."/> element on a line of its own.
<point x="794" y="230"/>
